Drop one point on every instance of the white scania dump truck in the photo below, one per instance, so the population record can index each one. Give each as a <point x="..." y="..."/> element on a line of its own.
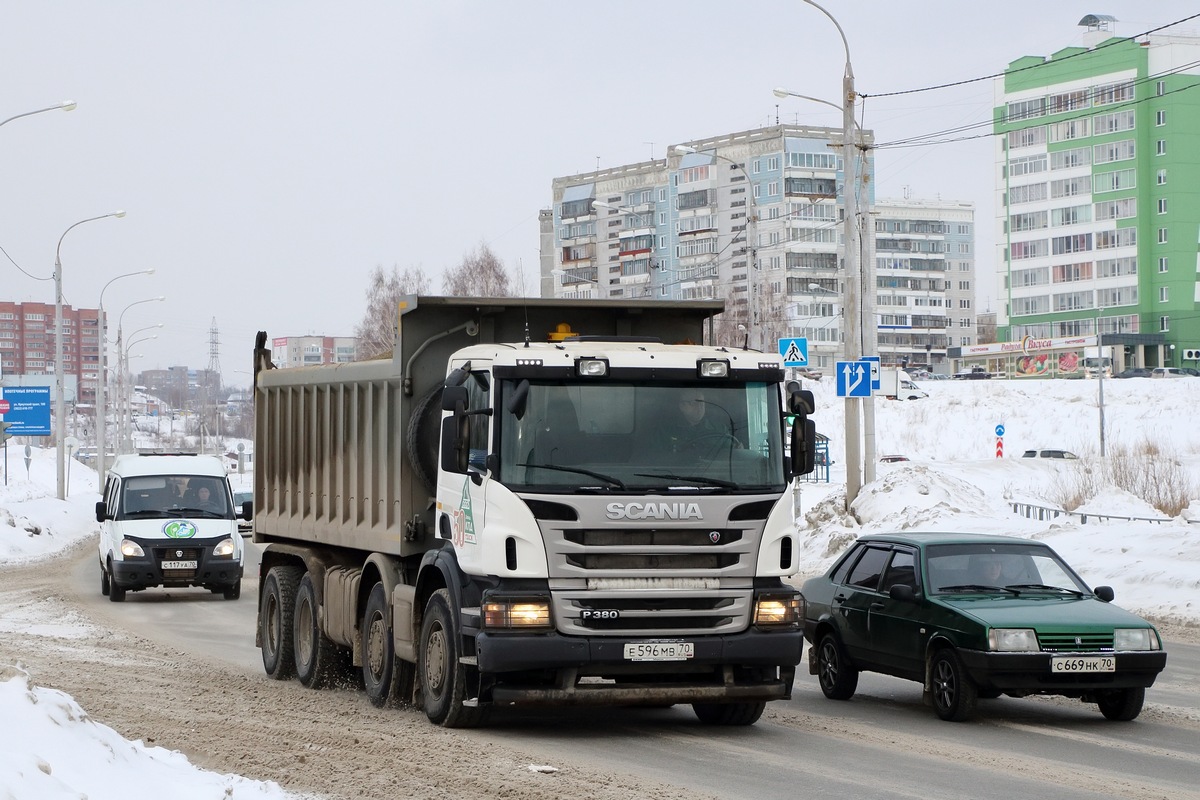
<point x="534" y="502"/>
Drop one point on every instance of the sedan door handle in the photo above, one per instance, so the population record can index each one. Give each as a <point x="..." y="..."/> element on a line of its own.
<point x="877" y="606"/>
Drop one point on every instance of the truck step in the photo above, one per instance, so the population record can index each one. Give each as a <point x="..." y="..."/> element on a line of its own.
<point x="469" y="661"/>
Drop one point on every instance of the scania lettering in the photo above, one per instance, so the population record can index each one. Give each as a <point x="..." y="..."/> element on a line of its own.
<point x="534" y="501"/>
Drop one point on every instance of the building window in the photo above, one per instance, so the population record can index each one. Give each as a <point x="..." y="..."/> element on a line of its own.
<point x="1160" y="118"/>
<point x="1163" y="264"/>
<point x="1162" y="205"/>
<point x="1160" y="88"/>
<point x="1162" y="177"/>
<point x="1160" y="147"/>
<point x="772" y="189"/>
<point x="756" y="166"/>
<point x="1164" y="324"/>
<point x="1164" y="294"/>
<point x="773" y="164"/>
<point x="1162" y="235"/>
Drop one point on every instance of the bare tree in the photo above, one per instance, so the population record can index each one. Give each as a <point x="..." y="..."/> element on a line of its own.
<point x="479" y="274"/>
<point x="377" y="331"/>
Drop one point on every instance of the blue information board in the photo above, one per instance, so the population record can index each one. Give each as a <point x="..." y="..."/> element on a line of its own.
<point x="28" y="410"/>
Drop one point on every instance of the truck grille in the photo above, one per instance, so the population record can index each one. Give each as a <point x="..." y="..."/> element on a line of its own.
<point x="1075" y="642"/>
<point x="651" y="581"/>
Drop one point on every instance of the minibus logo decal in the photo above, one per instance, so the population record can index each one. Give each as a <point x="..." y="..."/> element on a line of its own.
<point x="179" y="529"/>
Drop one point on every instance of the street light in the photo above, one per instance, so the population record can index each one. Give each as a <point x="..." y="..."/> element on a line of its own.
<point x="102" y="383"/>
<point x="66" y="105"/>
<point x="750" y="235"/>
<point x="121" y="365"/>
<point x="857" y="342"/>
<point x="59" y="404"/>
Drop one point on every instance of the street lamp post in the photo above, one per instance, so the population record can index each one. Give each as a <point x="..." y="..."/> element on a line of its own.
<point x="59" y="403"/>
<point x="857" y="341"/>
<point x="122" y="366"/>
<point x="102" y="383"/>
<point x="754" y="323"/>
<point x="127" y="421"/>
<point x="66" y="105"/>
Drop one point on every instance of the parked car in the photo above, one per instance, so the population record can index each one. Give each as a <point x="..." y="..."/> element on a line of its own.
<point x="892" y="459"/>
<point x="976" y="374"/>
<point x="1048" y="454"/>
<point x="1134" y="372"/>
<point x="1167" y="372"/>
<point x="1195" y="373"/>
<point x="975" y="615"/>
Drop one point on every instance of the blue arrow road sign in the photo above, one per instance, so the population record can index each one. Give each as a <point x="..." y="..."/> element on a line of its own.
<point x="794" y="352"/>
<point x="853" y="378"/>
<point x="999" y="430"/>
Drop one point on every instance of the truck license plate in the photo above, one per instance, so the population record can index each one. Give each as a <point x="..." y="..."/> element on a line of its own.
<point x="179" y="565"/>
<point x="1083" y="664"/>
<point x="659" y="651"/>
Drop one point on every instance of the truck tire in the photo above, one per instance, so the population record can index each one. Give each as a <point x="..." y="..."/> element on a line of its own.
<point x="314" y="653"/>
<point x="386" y="679"/>
<point x="443" y="677"/>
<point x="422" y="438"/>
<point x="729" y="713"/>
<point x="275" y="621"/>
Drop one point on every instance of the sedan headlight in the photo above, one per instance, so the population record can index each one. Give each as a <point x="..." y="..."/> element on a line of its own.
<point x="516" y="613"/>
<point x="131" y="549"/>
<point x="225" y="549"/>
<point x="1012" y="640"/>
<point x="776" y="610"/>
<point x="1135" y="639"/>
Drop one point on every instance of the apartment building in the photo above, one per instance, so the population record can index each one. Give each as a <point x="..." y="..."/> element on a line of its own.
<point x="306" y="351"/>
<point x="27" y="348"/>
<point x="1099" y="218"/>
<point x="756" y="218"/>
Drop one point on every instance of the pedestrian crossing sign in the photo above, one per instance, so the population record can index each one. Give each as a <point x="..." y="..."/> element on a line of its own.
<point x="794" y="352"/>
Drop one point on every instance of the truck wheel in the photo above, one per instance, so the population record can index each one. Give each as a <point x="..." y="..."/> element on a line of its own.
<point x="421" y="439"/>
<point x="729" y="713"/>
<point x="1121" y="705"/>
<point x="104" y="586"/>
<point x="443" y="677"/>
<point x="386" y="679"/>
<point x="115" y="593"/>
<point x="275" y="621"/>
<point x="313" y="650"/>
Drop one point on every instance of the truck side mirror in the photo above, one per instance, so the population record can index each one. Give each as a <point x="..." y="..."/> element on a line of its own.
<point x="247" y="510"/>
<point x="454" y="398"/>
<point x="804" y="433"/>
<point x="456" y="438"/>
<point x="517" y="400"/>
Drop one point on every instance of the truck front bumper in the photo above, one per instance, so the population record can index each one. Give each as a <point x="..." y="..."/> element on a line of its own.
<point x="750" y="666"/>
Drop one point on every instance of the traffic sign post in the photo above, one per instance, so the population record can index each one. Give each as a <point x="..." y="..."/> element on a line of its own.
<point x="999" y="441"/>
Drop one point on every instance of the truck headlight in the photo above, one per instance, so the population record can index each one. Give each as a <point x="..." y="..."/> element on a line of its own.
<point x="775" y="610"/>
<point x="224" y="549"/>
<point x="131" y="549"/>
<point x="1012" y="640"/>
<point x="516" y="614"/>
<point x="1135" y="639"/>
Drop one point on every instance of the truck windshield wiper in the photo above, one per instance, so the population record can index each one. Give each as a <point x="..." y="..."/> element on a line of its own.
<point x="579" y="470"/>
<point x="692" y="478"/>
<point x="977" y="587"/>
<point x="1046" y="588"/>
<point x="194" y="512"/>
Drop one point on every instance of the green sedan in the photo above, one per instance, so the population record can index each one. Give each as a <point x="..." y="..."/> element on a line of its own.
<point x="975" y="615"/>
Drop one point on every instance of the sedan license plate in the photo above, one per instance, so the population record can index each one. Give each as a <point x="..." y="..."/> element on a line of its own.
<point x="659" y="651"/>
<point x="1083" y="664"/>
<point x="179" y="565"/>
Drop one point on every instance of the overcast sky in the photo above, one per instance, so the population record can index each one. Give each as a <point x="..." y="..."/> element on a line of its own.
<point x="270" y="154"/>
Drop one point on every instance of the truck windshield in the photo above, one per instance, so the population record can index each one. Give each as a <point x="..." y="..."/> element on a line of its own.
<point x="614" y="436"/>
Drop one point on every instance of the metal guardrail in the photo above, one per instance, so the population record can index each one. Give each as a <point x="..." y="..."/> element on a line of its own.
<point x="1034" y="511"/>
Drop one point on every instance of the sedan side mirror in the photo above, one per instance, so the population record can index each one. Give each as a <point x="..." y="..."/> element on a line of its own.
<point x="902" y="592"/>
<point x="1104" y="593"/>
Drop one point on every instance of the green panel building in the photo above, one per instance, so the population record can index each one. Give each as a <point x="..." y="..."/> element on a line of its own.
<point x="1098" y="169"/>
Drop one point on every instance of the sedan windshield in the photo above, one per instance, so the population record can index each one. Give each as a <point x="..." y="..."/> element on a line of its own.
<point x="618" y="437"/>
<point x="1012" y="568"/>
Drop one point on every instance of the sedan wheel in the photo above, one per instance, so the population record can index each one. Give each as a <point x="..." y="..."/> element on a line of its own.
<point x="1121" y="705"/>
<point x="838" y="679"/>
<point x="954" y="693"/>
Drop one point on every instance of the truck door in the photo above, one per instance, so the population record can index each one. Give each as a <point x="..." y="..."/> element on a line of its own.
<point x="461" y="497"/>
